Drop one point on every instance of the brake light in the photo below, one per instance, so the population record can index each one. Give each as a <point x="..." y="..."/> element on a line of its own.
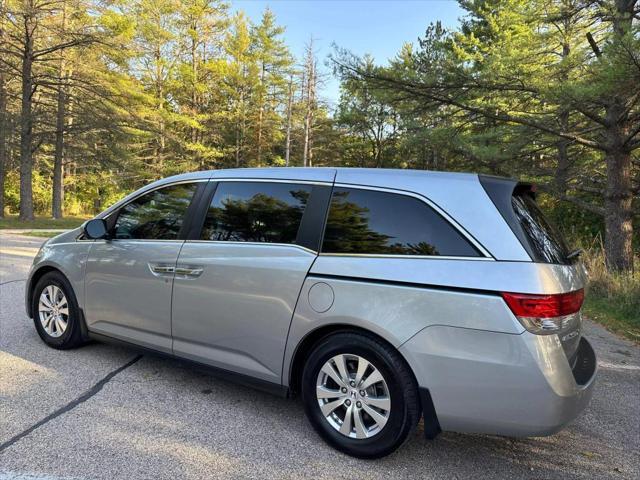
<point x="545" y="314"/>
<point x="544" y="306"/>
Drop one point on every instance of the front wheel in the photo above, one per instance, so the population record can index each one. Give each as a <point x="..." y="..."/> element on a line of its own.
<point x="360" y="395"/>
<point x="56" y="313"/>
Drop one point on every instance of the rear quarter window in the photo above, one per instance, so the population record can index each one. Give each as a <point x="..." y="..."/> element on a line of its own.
<point x="545" y="240"/>
<point x="372" y="222"/>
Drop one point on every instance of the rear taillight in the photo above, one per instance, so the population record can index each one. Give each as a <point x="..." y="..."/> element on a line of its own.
<point x="545" y="314"/>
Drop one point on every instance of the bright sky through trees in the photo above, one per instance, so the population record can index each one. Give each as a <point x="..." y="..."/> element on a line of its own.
<point x="378" y="28"/>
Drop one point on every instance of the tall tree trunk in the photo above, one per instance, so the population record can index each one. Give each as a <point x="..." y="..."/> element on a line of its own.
<point x="287" y="151"/>
<point x="618" y="198"/>
<point x="237" y="144"/>
<point x="58" y="157"/>
<point x="562" y="168"/>
<point x="307" y="127"/>
<point x="26" y="124"/>
<point x="312" y="107"/>
<point x="618" y="194"/>
<point x="161" y="143"/>
<point x="4" y="121"/>
<point x="196" y="135"/>
<point x="4" y="124"/>
<point x="261" y="115"/>
<point x="310" y="76"/>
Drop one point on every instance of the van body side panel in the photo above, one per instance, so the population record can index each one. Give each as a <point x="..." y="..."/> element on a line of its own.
<point x="236" y="313"/>
<point x="521" y="277"/>
<point x="394" y="312"/>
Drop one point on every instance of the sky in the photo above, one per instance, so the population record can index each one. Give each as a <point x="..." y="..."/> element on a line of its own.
<point x="377" y="27"/>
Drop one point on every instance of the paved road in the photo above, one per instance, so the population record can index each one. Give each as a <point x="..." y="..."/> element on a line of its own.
<point x="102" y="412"/>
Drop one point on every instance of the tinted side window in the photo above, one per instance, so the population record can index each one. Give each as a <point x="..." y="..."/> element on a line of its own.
<point x="256" y="212"/>
<point x="157" y="215"/>
<point x="546" y="242"/>
<point x="365" y="221"/>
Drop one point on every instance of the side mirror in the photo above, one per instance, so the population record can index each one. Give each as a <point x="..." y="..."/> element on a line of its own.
<point x="95" y="229"/>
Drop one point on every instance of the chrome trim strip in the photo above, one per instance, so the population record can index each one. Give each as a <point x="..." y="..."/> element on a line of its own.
<point x="424" y="199"/>
<point x="137" y="240"/>
<point x="255" y="244"/>
<point x="270" y="180"/>
<point x="408" y="256"/>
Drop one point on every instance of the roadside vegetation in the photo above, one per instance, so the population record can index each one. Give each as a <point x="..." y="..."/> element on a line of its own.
<point x="41" y="222"/>
<point x="40" y="233"/>
<point x="613" y="299"/>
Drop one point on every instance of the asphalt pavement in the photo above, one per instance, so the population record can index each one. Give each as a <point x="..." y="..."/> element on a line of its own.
<point x="104" y="412"/>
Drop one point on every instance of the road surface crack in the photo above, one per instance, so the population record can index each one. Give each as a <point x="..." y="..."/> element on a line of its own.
<point x="71" y="405"/>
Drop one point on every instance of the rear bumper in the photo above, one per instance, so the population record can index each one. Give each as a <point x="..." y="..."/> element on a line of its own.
<point x="502" y="384"/>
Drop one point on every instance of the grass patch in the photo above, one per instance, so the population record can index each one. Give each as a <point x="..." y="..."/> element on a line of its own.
<point x="40" y="233"/>
<point x="613" y="299"/>
<point x="12" y="221"/>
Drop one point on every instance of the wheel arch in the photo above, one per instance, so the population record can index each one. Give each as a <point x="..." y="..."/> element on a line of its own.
<point x="35" y="277"/>
<point x="33" y="281"/>
<point x="304" y="346"/>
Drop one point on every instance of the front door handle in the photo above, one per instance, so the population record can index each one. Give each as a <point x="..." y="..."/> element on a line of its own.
<point x="162" y="269"/>
<point x="189" y="271"/>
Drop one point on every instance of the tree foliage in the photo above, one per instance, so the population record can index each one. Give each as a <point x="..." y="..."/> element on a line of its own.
<point x="98" y="98"/>
<point x="542" y="90"/>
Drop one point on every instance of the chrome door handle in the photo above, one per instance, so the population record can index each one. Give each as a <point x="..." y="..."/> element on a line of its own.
<point x="189" y="271"/>
<point x="162" y="269"/>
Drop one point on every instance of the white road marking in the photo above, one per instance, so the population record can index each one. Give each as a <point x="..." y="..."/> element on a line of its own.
<point x="614" y="366"/>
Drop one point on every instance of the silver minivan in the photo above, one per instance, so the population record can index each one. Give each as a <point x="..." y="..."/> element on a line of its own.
<point x="379" y="296"/>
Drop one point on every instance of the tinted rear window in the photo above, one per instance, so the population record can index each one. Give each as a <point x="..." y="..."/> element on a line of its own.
<point x="372" y="222"/>
<point x="545" y="240"/>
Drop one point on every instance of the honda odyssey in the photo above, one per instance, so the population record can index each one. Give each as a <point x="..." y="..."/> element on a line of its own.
<point x="380" y="297"/>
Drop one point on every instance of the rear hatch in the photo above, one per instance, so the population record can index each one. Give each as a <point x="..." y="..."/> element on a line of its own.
<point x="516" y="202"/>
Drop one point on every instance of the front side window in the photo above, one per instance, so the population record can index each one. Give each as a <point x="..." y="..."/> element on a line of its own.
<point x="157" y="215"/>
<point x="372" y="222"/>
<point x="256" y="212"/>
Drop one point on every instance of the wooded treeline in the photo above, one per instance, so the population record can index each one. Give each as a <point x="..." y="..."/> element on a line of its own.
<point x="98" y="98"/>
<point x="102" y="97"/>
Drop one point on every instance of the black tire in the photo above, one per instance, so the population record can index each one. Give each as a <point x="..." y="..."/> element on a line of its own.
<point x="405" y="404"/>
<point x="72" y="336"/>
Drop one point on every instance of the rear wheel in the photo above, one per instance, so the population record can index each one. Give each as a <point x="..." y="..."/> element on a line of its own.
<point x="55" y="312"/>
<point x="360" y="395"/>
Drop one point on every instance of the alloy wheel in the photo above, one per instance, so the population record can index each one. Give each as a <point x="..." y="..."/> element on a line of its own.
<point x="353" y="396"/>
<point x="53" y="311"/>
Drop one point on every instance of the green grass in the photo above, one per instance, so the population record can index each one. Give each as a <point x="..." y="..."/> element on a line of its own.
<point x="613" y="299"/>
<point x="608" y="314"/>
<point x="12" y="221"/>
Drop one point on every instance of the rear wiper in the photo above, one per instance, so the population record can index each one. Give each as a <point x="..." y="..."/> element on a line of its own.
<point x="576" y="253"/>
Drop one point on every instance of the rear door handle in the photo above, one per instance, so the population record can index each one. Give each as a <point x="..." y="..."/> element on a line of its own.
<point x="162" y="269"/>
<point x="189" y="271"/>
